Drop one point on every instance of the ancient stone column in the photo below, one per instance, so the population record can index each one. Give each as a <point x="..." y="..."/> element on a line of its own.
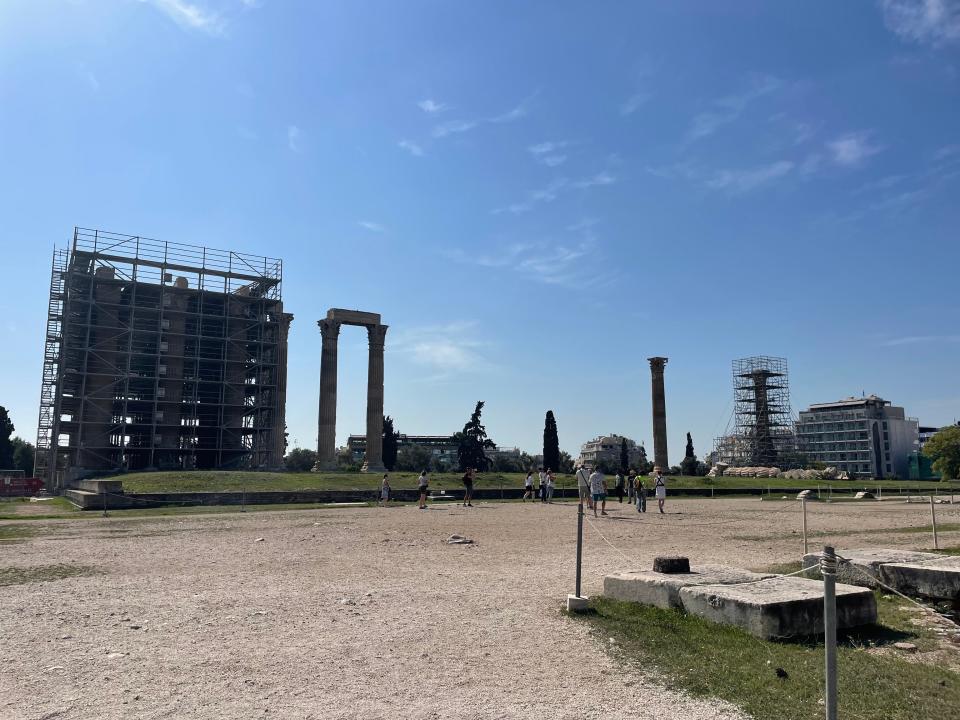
<point x="327" y="420"/>
<point x="374" y="463"/>
<point x="279" y="445"/>
<point x="659" y="413"/>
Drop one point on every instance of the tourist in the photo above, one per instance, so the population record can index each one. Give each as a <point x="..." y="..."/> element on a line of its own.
<point x="423" y="484"/>
<point x="660" y="486"/>
<point x="468" y="488"/>
<point x="583" y="485"/>
<point x="385" y="490"/>
<point x="640" y="489"/>
<point x="631" y="489"/>
<point x="598" y="489"/>
<point x="619" y="488"/>
<point x="550" y="485"/>
<point x="528" y="486"/>
<point x="542" y="487"/>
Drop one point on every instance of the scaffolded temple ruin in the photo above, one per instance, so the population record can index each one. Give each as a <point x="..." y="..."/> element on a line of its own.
<point x="160" y="355"/>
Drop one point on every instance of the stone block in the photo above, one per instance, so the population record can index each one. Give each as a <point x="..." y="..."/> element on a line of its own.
<point x="99" y="486"/>
<point x="577" y="604"/>
<point x="353" y="317"/>
<point x="662" y="590"/>
<point x="936" y="579"/>
<point x="779" y="608"/>
<point x="869" y="561"/>
<point x="671" y="564"/>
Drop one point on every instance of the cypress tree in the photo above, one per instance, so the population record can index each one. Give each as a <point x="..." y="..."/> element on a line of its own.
<point x="473" y="442"/>
<point x="389" y="443"/>
<point x="690" y="452"/>
<point x="624" y="456"/>
<point x="551" y="443"/>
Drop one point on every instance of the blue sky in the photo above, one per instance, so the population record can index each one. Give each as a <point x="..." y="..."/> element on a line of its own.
<point x="536" y="196"/>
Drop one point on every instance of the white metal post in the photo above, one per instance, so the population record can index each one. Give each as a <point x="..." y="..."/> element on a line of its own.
<point x="933" y="518"/>
<point x="803" y="505"/>
<point x="828" y="568"/>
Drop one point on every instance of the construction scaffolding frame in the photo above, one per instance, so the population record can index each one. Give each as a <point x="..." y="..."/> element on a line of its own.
<point x="763" y="433"/>
<point x="160" y="355"/>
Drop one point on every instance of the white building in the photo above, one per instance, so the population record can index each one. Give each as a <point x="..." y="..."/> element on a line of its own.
<point x="866" y="437"/>
<point x="606" y="448"/>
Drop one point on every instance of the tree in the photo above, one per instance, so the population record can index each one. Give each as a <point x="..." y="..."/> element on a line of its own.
<point x="551" y="443"/>
<point x="472" y="442"/>
<point x="414" y="458"/>
<point x="566" y="463"/>
<point x="643" y="465"/>
<point x="689" y="453"/>
<point x="23" y="456"/>
<point x="624" y="456"/>
<point x="389" y="443"/>
<point x="506" y="463"/>
<point x="944" y="450"/>
<point x="6" y="447"/>
<point x="300" y="460"/>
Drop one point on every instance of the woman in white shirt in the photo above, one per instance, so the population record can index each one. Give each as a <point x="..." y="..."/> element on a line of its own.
<point x="661" y="488"/>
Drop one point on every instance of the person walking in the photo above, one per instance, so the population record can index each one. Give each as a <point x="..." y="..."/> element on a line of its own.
<point x="619" y="486"/>
<point x="423" y="485"/>
<point x="528" y="486"/>
<point x="583" y="485"/>
<point x="598" y="490"/>
<point x="468" y="488"/>
<point x="631" y="490"/>
<point x="385" y="490"/>
<point x="640" y="489"/>
<point x="660" y="488"/>
<point x="542" y="487"/>
<point x="551" y="484"/>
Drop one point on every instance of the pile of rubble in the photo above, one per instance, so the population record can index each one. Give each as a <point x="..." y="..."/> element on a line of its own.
<point x="830" y="473"/>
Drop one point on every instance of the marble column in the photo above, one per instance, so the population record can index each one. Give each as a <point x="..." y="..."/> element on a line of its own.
<point x="659" y="413"/>
<point x="327" y="418"/>
<point x="279" y="444"/>
<point x="374" y="463"/>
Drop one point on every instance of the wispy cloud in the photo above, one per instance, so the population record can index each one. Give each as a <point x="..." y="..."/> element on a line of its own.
<point x="552" y="191"/>
<point x="745" y="180"/>
<point x="374" y="227"/>
<point x="920" y="339"/>
<point x="550" y="263"/>
<point x="189" y="15"/>
<point x="548" y="153"/>
<point x="293" y="138"/>
<point x="446" y="350"/>
<point x="634" y="102"/>
<point x="933" y="22"/>
<point x="432" y="106"/>
<point x="852" y="149"/>
<point x="728" y="109"/>
<point x="455" y="127"/>
<point x="411" y="147"/>
<point x="598" y="180"/>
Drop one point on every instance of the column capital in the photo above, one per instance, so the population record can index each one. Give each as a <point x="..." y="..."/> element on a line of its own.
<point x="377" y="335"/>
<point x="329" y="329"/>
<point x="657" y="363"/>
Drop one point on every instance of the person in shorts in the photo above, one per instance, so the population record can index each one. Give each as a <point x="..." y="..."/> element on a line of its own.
<point x="423" y="485"/>
<point x="598" y="491"/>
<point x="385" y="490"/>
<point x="528" y="486"/>
<point x="468" y="488"/>
<point x="583" y="485"/>
<point x="660" y="488"/>
<point x="640" y="488"/>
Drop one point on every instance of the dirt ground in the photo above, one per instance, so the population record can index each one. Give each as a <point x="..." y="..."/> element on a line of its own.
<point x="367" y="612"/>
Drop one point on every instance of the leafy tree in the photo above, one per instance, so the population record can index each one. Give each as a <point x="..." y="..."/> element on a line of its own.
<point x="6" y="447"/>
<point x="300" y="459"/>
<point x="23" y="456"/>
<point x="389" y="443"/>
<point x="944" y="450"/>
<point x="551" y="443"/>
<point x="624" y="456"/>
<point x="505" y="463"/>
<point x="414" y="458"/>
<point x="689" y="453"/>
<point x="566" y="463"/>
<point x="473" y="441"/>
<point x="643" y="465"/>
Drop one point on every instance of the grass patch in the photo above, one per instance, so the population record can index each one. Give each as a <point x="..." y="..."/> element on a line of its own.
<point x="711" y="660"/>
<point x="251" y="481"/>
<point x="43" y="573"/>
<point x="941" y="527"/>
<point x="24" y="510"/>
<point x="15" y="533"/>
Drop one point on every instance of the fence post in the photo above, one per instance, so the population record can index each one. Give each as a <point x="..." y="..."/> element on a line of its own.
<point x="579" y="545"/>
<point x="803" y="505"/>
<point x="933" y="518"/>
<point x="103" y="494"/>
<point x="828" y="568"/>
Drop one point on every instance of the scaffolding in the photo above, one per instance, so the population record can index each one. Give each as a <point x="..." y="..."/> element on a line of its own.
<point x="763" y="433"/>
<point x="160" y="355"/>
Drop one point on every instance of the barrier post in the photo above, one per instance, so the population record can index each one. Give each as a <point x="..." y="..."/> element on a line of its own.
<point x="103" y="494"/>
<point x="933" y="519"/>
<point x="803" y="505"/>
<point x="828" y="568"/>
<point x="579" y="545"/>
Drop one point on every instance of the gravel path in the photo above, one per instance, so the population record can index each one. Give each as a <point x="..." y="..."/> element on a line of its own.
<point x="364" y="612"/>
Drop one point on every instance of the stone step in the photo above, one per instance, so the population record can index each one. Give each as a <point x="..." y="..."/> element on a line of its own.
<point x="663" y="590"/>
<point x="923" y="574"/>
<point x="781" y="607"/>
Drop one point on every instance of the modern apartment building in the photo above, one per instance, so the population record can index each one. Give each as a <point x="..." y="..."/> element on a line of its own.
<point x="866" y="437"/>
<point x="606" y="448"/>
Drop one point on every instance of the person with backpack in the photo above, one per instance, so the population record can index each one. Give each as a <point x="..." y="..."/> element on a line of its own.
<point x="528" y="486"/>
<point x="660" y="488"/>
<point x="423" y="485"/>
<point x="468" y="488"/>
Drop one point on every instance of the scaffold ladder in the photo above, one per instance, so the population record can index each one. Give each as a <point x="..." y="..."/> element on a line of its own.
<point x="45" y="463"/>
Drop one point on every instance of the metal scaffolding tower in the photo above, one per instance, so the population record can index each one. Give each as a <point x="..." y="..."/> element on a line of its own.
<point x="160" y="355"/>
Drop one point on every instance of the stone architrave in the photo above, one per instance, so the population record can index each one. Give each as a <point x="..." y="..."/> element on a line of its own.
<point x="327" y="418"/>
<point x="376" y="335"/>
<point x="659" y="413"/>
